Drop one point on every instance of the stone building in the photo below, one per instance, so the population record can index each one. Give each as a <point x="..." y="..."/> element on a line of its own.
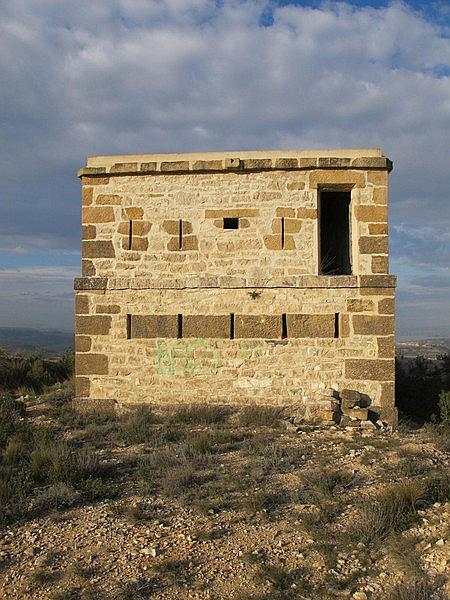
<point x="233" y="278"/>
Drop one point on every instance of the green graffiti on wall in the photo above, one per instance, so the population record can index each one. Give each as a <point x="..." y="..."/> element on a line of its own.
<point x="195" y="356"/>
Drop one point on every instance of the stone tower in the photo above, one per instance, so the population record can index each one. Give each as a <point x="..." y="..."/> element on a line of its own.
<point x="233" y="278"/>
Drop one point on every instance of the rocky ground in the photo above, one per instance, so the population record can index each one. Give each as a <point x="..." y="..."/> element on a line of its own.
<point x="209" y="504"/>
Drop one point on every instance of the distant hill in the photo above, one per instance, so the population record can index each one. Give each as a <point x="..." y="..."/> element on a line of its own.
<point x="48" y="341"/>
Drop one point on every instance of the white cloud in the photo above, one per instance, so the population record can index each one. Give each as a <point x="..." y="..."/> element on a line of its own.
<point x="118" y="76"/>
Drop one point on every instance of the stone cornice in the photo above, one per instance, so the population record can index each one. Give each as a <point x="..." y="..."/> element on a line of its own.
<point x="227" y="282"/>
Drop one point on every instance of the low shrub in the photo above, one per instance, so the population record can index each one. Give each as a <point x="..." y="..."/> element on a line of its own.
<point x="260" y="416"/>
<point x="391" y="511"/>
<point x="200" y="414"/>
<point x="136" y="427"/>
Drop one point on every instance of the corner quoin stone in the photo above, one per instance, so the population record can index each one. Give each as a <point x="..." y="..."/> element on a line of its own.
<point x="91" y="364"/>
<point x="370" y="369"/>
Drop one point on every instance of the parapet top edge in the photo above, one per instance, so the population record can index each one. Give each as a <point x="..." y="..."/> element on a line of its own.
<point x="108" y="160"/>
<point x="239" y="161"/>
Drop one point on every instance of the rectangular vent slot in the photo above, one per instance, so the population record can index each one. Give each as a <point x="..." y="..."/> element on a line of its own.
<point x="128" y="327"/>
<point x="336" y="325"/>
<point x="284" y="330"/>
<point x="232" y="326"/>
<point x="180" y="234"/>
<point x="282" y="232"/>
<point x="231" y="223"/>
<point x="180" y="326"/>
<point x="130" y="235"/>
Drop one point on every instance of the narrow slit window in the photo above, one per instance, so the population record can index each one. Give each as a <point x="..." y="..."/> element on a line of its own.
<point x="232" y="326"/>
<point x="334" y="234"/>
<point x="336" y="325"/>
<point x="128" y="327"/>
<point x="130" y="235"/>
<point x="180" y="326"/>
<point x="231" y="223"/>
<point x="282" y="232"/>
<point x="180" y="234"/>
<point x="284" y="331"/>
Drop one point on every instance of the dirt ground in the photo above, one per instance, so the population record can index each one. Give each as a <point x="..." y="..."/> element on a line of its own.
<point x="231" y="507"/>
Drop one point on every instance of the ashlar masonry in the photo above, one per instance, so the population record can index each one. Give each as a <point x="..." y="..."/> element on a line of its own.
<point x="235" y="278"/>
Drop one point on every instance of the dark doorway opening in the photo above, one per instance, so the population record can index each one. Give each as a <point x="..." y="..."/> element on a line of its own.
<point x="334" y="234"/>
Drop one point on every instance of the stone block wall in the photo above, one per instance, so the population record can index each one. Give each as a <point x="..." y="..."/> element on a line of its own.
<point x="201" y="281"/>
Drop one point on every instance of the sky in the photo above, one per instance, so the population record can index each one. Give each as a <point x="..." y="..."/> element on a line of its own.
<point x="140" y="76"/>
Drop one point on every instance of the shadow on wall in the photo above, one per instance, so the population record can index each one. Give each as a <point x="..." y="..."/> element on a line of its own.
<point x="419" y="382"/>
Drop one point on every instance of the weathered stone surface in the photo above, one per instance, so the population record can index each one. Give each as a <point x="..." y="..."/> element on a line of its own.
<point x="343" y="178"/>
<point x="307" y="163"/>
<point x="93" y="325"/>
<point x="286" y="163"/>
<point x="296" y="185"/>
<point x="91" y="364"/>
<point x="88" y="232"/>
<point x="360" y="305"/>
<point x="98" y="249"/>
<point x="90" y="283"/>
<point x="350" y="398"/>
<point x="371" y="214"/>
<point x="380" y="195"/>
<point x="257" y="163"/>
<point x="81" y="304"/>
<point x="98" y="214"/>
<point x="257" y="326"/>
<point x="154" y="326"/>
<point x="371" y="162"/>
<point x="377" y="177"/>
<point x="133" y="212"/>
<point x="87" y="196"/>
<point x="310" y="326"/>
<point x="273" y="242"/>
<point x="230" y="212"/>
<point x="378" y="228"/>
<point x="95" y="180"/>
<point x="206" y="326"/>
<point x="108" y="309"/>
<point x="358" y="413"/>
<point x="306" y="213"/>
<point x="139" y="243"/>
<point x="82" y="343"/>
<point x="373" y="245"/>
<point x="380" y="264"/>
<point x="88" y="269"/>
<point x="128" y="167"/>
<point x="386" y="306"/>
<point x="82" y="387"/>
<point x="178" y="165"/>
<point x="207" y="165"/>
<point x="149" y="167"/>
<point x="190" y="242"/>
<point x="333" y="162"/>
<point x="386" y="346"/>
<point x="373" y="324"/>
<point x="370" y="369"/>
<point x="114" y="199"/>
<point x="381" y="281"/>
<point x="232" y="163"/>
<point x="285" y="212"/>
<point x="292" y="225"/>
